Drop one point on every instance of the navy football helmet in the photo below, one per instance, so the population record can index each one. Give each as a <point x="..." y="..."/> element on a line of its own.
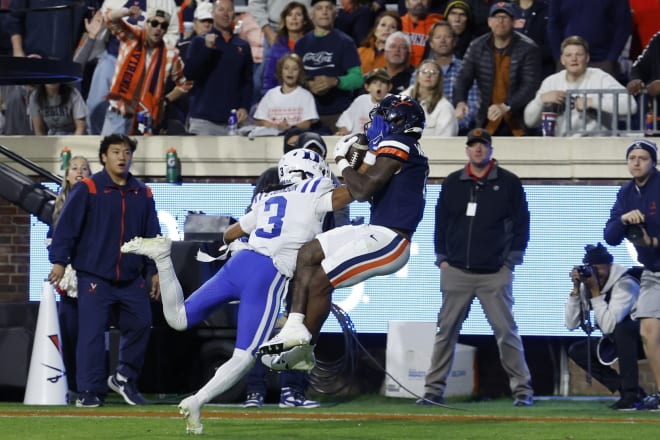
<point x="401" y="114"/>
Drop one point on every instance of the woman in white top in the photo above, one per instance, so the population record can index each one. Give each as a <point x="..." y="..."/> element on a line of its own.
<point x="427" y="90"/>
<point x="288" y="104"/>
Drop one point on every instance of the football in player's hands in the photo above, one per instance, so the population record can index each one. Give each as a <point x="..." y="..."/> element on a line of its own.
<point x="357" y="151"/>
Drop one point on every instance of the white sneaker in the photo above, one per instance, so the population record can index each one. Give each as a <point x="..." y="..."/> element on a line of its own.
<point x="155" y="248"/>
<point x="190" y="409"/>
<point x="300" y="358"/>
<point x="292" y="335"/>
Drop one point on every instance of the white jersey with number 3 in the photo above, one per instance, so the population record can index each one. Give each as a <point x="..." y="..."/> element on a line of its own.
<point x="281" y="221"/>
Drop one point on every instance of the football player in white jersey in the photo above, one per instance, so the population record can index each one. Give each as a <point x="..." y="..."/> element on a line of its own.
<point x="257" y="274"/>
<point x="395" y="186"/>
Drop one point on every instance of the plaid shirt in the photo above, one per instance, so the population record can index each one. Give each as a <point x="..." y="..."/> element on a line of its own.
<point x="449" y="79"/>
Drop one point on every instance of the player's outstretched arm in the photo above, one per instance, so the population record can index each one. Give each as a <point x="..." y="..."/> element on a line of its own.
<point x="233" y="232"/>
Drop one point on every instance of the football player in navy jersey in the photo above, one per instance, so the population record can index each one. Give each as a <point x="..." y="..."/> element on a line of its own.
<point x="279" y="222"/>
<point x="395" y="186"/>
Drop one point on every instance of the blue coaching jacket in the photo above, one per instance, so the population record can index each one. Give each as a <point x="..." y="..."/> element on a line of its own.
<point x="646" y="199"/>
<point x="97" y="218"/>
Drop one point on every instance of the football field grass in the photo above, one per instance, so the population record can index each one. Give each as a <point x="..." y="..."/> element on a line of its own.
<point x="364" y="417"/>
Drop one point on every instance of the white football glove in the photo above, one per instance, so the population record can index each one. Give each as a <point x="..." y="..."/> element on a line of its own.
<point x="343" y="144"/>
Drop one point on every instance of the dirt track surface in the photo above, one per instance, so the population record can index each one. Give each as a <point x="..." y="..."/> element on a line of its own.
<point x="306" y="415"/>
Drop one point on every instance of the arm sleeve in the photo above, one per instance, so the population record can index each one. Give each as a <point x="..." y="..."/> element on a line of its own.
<point x="533" y="109"/>
<point x="352" y="80"/>
<point x="465" y="79"/>
<point x="441" y="218"/>
<point x="624" y="295"/>
<point x="572" y="312"/>
<point x="248" y="222"/>
<point x="520" y="226"/>
<point x="200" y="60"/>
<point x="643" y="66"/>
<point x="69" y="225"/>
<point x="614" y="228"/>
<point x="530" y="77"/>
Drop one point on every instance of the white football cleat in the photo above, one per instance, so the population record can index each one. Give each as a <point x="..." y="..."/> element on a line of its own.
<point x="158" y="247"/>
<point x="292" y="335"/>
<point x="190" y="409"/>
<point x="300" y="358"/>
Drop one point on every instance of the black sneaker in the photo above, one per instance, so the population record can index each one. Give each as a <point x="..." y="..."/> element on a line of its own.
<point x="627" y="403"/>
<point x="126" y="389"/>
<point x="88" y="399"/>
<point x="430" y="399"/>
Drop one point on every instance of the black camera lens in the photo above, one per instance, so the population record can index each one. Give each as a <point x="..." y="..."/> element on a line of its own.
<point x="634" y="232"/>
<point x="584" y="271"/>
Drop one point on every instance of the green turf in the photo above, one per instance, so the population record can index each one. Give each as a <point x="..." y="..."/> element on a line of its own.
<point x="366" y="417"/>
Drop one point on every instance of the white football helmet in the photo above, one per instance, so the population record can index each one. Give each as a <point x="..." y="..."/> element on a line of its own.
<point x="301" y="164"/>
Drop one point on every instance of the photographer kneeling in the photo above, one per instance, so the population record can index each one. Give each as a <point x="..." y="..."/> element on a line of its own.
<point x="611" y="292"/>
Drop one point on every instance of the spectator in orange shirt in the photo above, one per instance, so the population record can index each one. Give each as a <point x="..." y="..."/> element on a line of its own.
<point x="143" y="65"/>
<point x="417" y="24"/>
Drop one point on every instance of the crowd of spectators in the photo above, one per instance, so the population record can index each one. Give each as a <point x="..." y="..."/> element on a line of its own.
<point x="494" y="60"/>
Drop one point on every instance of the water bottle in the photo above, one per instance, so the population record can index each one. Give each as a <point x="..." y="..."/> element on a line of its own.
<point x="65" y="157"/>
<point x="648" y="123"/>
<point x="232" y="123"/>
<point x="173" y="166"/>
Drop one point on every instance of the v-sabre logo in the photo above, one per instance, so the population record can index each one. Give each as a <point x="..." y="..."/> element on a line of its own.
<point x="55" y="340"/>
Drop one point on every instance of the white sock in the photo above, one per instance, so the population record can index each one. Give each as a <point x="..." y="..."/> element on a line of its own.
<point x="171" y="294"/>
<point x="226" y="376"/>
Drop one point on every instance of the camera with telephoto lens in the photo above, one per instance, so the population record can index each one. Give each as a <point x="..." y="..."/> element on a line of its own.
<point x="584" y="271"/>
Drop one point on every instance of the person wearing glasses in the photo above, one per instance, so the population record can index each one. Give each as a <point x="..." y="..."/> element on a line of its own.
<point x="137" y="96"/>
<point x="507" y="68"/>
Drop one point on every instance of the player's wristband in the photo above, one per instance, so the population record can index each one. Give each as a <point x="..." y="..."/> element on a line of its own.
<point x="342" y="165"/>
<point x="369" y="158"/>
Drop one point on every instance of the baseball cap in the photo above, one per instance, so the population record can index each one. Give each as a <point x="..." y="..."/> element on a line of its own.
<point x="203" y="11"/>
<point x="502" y="6"/>
<point x="644" y="144"/>
<point x="377" y="74"/>
<point x="479" y="135"/>
<point x="153" y="12"/>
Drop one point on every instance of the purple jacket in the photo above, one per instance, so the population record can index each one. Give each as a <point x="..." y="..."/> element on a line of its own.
<point x="97" y="218"/>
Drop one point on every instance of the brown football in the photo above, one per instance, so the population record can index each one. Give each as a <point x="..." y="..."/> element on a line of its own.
<point x="357" y="151"/>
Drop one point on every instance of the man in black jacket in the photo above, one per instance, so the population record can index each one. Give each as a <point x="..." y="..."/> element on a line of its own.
<point x="481" y="233"/>
<point x="507" y="68"/>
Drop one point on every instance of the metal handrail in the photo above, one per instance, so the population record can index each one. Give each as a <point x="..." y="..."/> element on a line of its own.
<point x="619" y="122"/>
<point x="31" y="165"/>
